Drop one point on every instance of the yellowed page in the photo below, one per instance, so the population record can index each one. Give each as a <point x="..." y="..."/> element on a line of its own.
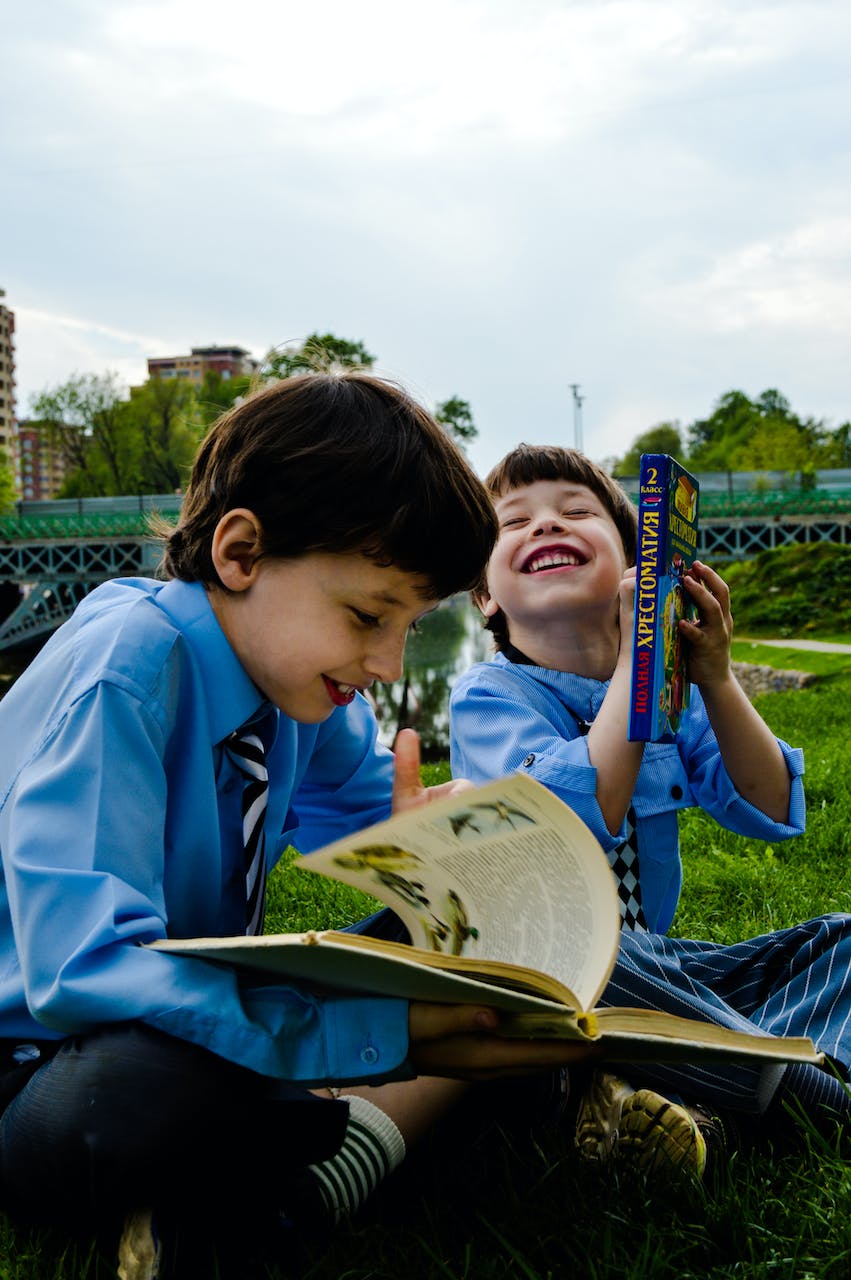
<point x="504" y="872"/>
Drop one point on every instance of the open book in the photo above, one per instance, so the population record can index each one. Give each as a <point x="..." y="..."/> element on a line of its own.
<point x="510" y="902"/>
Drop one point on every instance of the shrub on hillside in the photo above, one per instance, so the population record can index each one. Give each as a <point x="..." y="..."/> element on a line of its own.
<point x="792" y="591"/>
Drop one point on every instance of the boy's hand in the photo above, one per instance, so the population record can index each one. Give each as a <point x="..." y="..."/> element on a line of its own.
<point x="463" y="1043"/>
<point x="408" y="789"/>
<point x="626" y="612"/>
<point x="710" y="637"/>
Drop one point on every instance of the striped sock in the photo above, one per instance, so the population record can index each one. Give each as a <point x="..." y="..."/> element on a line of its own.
<point x="372" y="1148"/>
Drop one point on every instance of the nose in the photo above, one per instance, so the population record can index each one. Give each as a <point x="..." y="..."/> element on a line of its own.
<point x="549" y="522"/>
<point x="384" y="662"/>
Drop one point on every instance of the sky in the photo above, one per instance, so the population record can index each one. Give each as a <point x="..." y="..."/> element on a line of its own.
<point x="649" y="200"/>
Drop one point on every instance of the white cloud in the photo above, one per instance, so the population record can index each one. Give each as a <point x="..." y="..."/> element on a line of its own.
<point x="644" y="196"/>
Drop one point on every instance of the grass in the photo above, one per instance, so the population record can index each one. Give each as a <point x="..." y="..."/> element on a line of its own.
<point x="507" y="1205"/>
<point x="492" y="1202"/>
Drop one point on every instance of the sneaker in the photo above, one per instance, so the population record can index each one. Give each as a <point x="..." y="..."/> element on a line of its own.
<point x="139" y="1250"/>
<point x="640" y="1128"/>
<point x="661" y="1137"/>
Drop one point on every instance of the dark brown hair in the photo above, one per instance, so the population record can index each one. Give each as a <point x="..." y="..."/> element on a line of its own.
<point x="338" y="462"/>
<point x="528" y="463"/>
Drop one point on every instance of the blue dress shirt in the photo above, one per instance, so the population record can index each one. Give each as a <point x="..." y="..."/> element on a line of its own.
<point x="507" y="716"/>
<point x="120" y="822"/>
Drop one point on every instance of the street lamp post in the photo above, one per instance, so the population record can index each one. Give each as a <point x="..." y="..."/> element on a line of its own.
<point x="577" y="416"/>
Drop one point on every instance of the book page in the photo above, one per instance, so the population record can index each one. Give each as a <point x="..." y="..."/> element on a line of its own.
<point x="503" y="872"/>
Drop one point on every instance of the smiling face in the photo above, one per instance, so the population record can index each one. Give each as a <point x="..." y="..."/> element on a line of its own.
<point x="312" y="631"/>
<point x="559" y="560"/>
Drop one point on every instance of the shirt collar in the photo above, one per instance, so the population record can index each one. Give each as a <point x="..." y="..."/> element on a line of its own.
<point x="236" y="699"/>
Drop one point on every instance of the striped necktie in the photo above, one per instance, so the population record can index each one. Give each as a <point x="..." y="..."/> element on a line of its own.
<point x="623" y="860"/>
<point x="246" y="750"/>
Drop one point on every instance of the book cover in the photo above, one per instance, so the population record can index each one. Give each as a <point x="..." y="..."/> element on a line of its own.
<point x="667" y="545"/>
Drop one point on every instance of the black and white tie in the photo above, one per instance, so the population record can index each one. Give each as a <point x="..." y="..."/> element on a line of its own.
<point x="623" y="860"/>
<point x="624" y="863"/>
<point x="245" y="748"/>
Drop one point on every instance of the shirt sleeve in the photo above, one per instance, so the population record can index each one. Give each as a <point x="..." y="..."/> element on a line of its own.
<point x="89" y="878"/>
<point x="498" y="727"/>
<point x="713" y="789"/>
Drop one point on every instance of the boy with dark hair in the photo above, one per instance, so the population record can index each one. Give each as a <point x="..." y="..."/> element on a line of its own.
<point x="558" y="596"/>
<point x="156" y="759"/>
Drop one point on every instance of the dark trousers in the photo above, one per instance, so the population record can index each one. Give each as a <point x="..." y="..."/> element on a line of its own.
<point x="129" y="1117"/>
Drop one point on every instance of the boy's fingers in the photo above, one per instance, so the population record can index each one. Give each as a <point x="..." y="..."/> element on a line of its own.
<point x="407" y="785"/>
<point x="464" y="1042"/>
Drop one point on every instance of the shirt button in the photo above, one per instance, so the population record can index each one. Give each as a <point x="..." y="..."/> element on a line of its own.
<point x="530" y="760"/>
<point x="677" y="793"/>
<point x="369" y="1055"/>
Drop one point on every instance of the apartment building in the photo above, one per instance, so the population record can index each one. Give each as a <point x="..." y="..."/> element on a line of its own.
<point x="8" y="434"/>
<point x="42" y="465"/>
<point x="229" y="362"/>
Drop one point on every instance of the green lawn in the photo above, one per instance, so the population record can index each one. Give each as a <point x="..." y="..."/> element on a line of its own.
<point x="500" y="1205"/>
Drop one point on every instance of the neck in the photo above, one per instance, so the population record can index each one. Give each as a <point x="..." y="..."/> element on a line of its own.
<point x="583" y="651"/>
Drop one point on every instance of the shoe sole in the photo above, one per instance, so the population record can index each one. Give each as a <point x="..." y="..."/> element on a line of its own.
<point x="660" y="1137"/>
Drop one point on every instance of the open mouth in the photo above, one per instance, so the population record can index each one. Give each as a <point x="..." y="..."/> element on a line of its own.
<point x="340" y="694"/>
<point x="552" y="558"/>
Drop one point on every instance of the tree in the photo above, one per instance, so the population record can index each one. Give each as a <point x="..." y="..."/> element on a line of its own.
<point x="715" y="441"/>
<point x="663" y="438"/>
<point x="319" y="353"/>
<point x="7" y="483"/>
<point x="112" y="445"/>
<point x="165" y="417"/>
<point x="456" y="417"/>
<point x="82" y="419"/>
<point x="217" y="394"/>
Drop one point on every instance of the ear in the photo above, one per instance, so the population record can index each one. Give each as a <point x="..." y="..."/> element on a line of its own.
<point x="237" y="543"/>
<point x="485" y="603"/>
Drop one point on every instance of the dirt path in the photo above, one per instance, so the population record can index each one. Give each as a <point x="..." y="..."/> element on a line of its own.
<point x="818" y="646"/>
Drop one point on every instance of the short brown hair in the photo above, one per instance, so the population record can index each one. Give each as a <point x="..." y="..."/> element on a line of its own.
<point x="528" y="463"/>
<point x="338" y="462"/>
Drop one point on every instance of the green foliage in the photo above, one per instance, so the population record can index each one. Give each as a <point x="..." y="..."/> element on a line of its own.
<point x="792" y="591"/>
<point x="113" y="445"/>
<point x="456" y="417"/>
<point x="164" y="421"/>
<point x="420" y="699"/>
<point x="7" y="483"/>
<point x="664" y="438"/>
<point x="217" y="394"/>
<point x="742" y="434"/>
<point x="319" y="353"/>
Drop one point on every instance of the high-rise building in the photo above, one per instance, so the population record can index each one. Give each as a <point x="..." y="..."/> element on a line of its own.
<point x="229" y="362"/>
<point x="42" y="463"/>
<point x="8" y="425"/>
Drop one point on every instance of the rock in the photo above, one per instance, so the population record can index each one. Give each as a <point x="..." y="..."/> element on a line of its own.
<point x="755" y="678"/>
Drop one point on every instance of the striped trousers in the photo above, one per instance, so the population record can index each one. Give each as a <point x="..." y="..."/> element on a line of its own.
<point x="794" y="981"/>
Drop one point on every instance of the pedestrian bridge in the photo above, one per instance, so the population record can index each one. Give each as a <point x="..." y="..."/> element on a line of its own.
<point x="53" y="553"/>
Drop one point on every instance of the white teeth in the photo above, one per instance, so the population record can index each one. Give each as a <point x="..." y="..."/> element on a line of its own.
<point x="552" y="560"/>
<point x="346" y="688"/>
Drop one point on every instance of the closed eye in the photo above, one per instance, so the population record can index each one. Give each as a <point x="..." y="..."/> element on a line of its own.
<point x="366" y="619"/>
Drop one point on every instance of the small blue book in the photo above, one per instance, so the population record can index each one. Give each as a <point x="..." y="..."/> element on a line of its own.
<point x="667" y="546"/>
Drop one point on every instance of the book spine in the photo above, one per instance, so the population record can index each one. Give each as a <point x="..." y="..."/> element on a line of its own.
<point x="653" y="491"/>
